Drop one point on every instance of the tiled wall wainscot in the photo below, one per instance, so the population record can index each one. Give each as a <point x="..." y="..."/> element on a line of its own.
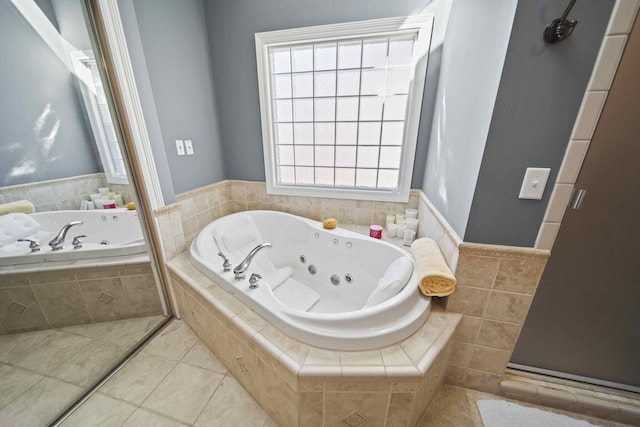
<point x="62" y="194"/>
<point x="301" y="385"/>
<point x="180" y="222"/>
<point x="495" y="289"/>
<point x="53" y="299"/>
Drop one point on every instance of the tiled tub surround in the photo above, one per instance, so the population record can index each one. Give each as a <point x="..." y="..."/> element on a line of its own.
<point x="495" y="283"/>
<point x="301" y="385"/>
<point x="34" y="300"/>
<point x="62" y="194"/>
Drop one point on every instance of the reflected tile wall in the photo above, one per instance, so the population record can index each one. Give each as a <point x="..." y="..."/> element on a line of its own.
<point x="61" y="194"/>
<point x="53" y="299"/>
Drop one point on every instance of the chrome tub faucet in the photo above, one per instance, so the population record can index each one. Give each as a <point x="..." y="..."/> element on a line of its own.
<point x="58" y="242"/>
<point x="241" y="268"/>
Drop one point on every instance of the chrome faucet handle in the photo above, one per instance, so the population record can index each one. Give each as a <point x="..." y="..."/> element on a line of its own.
<point x="33" y="245"/>
<point x="77" y="243"/>
<point x="227" y="264"/>
<point x="253" y="280"/>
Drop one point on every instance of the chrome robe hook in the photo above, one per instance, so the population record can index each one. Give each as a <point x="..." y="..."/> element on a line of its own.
<point x="561" y="28"/>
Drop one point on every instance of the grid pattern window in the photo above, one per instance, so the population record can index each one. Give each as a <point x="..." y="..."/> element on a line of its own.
<point x="338" y="113"/>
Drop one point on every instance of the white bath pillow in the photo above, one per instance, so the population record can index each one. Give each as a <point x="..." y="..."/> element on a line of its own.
<point x="14" y="226"/>
<point x="237" y="233"/>
<point x="393" y="281"/>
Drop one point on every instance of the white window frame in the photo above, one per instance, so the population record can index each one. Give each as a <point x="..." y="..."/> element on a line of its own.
<point x="420" y="25"/>
<point x="87" y="85"/>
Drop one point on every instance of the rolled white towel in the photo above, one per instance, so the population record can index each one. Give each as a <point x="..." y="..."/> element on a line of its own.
<point x="434" y="276"/>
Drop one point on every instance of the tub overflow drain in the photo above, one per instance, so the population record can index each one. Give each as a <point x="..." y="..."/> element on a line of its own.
<point x="335" y="280"/>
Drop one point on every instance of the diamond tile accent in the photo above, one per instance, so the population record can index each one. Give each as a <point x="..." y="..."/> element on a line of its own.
<point x="17" y="308"/>
<point x="105" y="298"/>
<point x="354" y="420"/>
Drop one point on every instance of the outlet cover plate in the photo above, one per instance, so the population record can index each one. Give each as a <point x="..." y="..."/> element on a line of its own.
<point x="188" y="145"/>
<point x="535" y="180"/>
<point x="180" y="147"/>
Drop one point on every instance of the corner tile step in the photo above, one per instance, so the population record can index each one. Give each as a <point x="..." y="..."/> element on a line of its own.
<point x="598" y="402"/>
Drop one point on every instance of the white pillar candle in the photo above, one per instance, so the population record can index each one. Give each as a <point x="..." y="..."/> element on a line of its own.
<point x="411" y="213"/>
<point x="391" y="219"/>
<point x="412" y="224"/>
<point x="392" y="230"/>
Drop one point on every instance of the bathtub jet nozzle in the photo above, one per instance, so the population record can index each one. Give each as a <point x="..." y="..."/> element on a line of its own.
<point x="239" y="271"/>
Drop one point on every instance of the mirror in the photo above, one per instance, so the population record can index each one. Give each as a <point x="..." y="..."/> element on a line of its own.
<point x="77" y="289"/>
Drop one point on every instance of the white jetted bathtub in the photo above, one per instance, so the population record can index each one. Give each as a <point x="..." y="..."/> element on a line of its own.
<point x="109" y="233"/>
<point x="329" y="288"/>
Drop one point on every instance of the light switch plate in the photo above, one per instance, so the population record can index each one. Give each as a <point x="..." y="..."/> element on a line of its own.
<point x="535" y="180"/>
<point x="180" y="147"/>
<point x="188" y="145"/>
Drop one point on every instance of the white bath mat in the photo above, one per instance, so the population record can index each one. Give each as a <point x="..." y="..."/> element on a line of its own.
<point x="296" y="295"/>
<point x="500" y="413"/>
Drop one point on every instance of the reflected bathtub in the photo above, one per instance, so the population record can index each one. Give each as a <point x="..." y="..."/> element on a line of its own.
<point x="340" y="318"/>
<point x="110" y="233"/>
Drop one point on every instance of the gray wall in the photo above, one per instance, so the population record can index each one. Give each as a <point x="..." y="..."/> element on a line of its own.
<point x="71" y="24"/>
<point x="470" y="72"/>
<point x="28" y="83"/>
<point x="147" y="100"/>
<point x="176" y="51"/>
<point x="232" y="25"/>
<point x="540" y="93"/>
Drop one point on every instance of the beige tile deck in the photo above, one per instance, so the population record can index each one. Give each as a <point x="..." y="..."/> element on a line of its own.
<point x="181" y="386"/>
<point x="216" y="399"/>
<point x="174" y="381"/>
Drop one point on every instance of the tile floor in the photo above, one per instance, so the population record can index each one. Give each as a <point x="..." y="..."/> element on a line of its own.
<point x="44" y="372"/>
<point x="176" y="381"/>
